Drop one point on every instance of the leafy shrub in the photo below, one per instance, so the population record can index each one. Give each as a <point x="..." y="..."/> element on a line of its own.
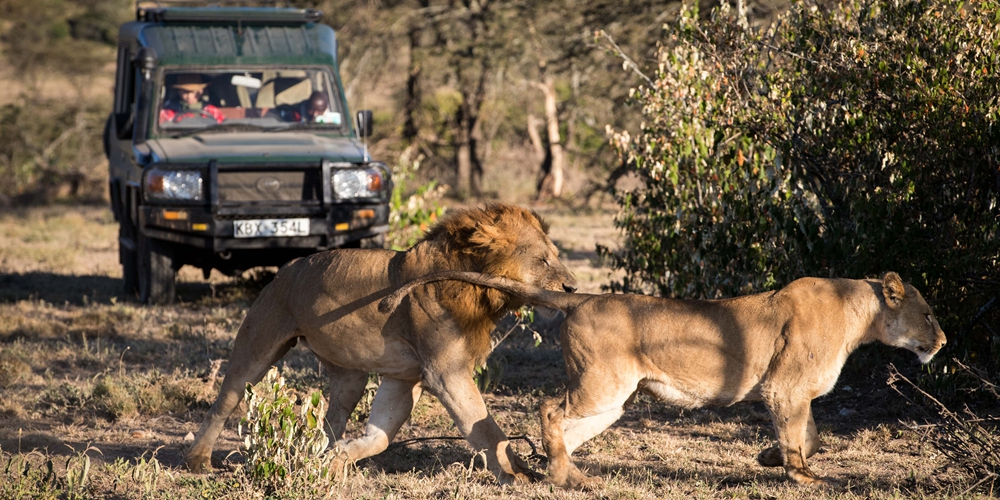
<point x="840" y="143"/>
<point x="412" y="212"/>
<point x="285" y="448"/>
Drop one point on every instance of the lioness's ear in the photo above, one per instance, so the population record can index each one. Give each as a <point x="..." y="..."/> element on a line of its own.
<point x="892" y="289"/>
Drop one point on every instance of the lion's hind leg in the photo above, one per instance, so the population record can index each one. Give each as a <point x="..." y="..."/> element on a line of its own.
<point x="566" y="426"/>
<point x="347" y="387"/>
<point x="262" y="340"/>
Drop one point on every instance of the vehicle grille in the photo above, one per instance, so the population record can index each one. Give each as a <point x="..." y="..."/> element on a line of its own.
<point x="264" y="186"/>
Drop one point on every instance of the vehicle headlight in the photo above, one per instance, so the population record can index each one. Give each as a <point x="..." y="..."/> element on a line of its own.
<point x="359" y="183"/>
<point x="173" y="184"/>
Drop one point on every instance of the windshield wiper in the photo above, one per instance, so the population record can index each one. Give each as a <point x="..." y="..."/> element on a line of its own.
<point x="291" y="126"/>
<point x="223" y="127"/>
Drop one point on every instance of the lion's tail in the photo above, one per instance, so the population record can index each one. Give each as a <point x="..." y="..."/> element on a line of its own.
<point x="532" y="294"/>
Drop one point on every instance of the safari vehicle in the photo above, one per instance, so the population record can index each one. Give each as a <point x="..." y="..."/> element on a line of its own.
<point x="230" y="145"/>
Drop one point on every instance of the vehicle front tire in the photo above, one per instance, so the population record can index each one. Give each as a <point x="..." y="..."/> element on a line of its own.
<point x="156" y="271"/>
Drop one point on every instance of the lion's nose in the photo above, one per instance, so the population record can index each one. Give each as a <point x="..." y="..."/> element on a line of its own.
<point x="569" y="288"/>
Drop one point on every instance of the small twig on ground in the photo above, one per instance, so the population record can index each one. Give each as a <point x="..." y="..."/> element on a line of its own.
<point x="407" y="442"/>
<point x="966" y="439"/>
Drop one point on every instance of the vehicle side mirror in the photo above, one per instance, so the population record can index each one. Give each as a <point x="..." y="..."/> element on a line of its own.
<point x="124" y="123"/>
<point x="364" y="123"/>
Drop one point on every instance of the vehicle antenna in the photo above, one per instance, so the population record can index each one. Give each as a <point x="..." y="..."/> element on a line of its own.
<point x="364" y="105"/>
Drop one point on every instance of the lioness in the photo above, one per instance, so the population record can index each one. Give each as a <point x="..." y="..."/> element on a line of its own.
<point x="785" y="347"/>
<point x="432" y="342"/>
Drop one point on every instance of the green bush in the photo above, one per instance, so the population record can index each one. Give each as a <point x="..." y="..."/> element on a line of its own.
<point x="285" y="441"/>
<point x="842" y="143"/>
<point x="412" y="210"/>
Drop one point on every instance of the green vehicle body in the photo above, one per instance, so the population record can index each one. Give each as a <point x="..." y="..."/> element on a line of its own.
<point x="253" y="166"/>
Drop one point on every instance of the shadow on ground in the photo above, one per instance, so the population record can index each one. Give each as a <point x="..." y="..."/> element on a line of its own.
<point x="82" y="290"/>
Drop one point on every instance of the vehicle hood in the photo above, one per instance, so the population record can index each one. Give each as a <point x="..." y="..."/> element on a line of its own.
<point x="255" y="147"/>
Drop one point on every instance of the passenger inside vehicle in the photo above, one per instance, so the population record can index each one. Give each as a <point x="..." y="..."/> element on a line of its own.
<point x="315" y="109"/>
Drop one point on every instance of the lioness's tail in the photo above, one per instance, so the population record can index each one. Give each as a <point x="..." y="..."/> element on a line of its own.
<point x="529" y="293"/>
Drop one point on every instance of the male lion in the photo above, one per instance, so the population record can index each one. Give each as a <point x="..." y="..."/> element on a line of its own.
<point x="785" y="348"/>
<point x="432" y="342"/>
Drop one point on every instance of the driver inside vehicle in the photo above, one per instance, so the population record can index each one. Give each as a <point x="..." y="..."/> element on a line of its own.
<point x="185" y="101"/>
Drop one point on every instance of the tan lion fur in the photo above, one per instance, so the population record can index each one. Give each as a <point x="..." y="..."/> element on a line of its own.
<point x="784" y="348"/>
<point x="433" y="341"/>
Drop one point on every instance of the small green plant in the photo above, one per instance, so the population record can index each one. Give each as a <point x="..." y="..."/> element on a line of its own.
<point x="286" y="449"/>
<point x="23" y="479"/>
<point x="77" y="473"/>
<point x="147" y="474"/>
<point x="411" y="213"/>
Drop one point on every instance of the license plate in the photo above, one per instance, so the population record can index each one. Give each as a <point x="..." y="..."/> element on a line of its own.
<point x="263" y="228"/>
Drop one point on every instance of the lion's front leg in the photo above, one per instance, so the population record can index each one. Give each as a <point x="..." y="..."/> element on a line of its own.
<point x="459" y="395"/>
<point x="772" y="457"/>
<point x="792" y="420"/>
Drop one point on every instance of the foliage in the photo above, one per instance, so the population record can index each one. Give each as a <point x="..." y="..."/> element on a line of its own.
<point x="845" y="143"/>
<point x="285" y="448"/>
<point x="72" y="37"/>
<point x="412" y="212"/>
<point x="51" y="149"/>
<point x="146" y="474"/>
<point x="21" y="477"/>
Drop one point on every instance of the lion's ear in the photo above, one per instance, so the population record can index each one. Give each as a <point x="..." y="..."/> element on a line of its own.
<point x="893" y="290"/>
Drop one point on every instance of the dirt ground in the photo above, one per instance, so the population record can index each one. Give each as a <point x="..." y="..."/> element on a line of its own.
<point x="84" y="369"/>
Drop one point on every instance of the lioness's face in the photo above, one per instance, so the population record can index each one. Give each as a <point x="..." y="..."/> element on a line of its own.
<point x="914" y="327"/>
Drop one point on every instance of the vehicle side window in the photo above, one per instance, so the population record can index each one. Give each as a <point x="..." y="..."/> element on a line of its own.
<point x="124" y="87"/>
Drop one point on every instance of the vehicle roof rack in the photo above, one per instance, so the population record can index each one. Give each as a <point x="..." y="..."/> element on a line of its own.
<point x="235" y="11"/>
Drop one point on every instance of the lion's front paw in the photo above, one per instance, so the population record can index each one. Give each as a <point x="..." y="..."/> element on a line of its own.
<point x="578" y="480"/>
<point x="574" y="479"/>
<point x="200" y="463"/>
<point x="808" y="478"/>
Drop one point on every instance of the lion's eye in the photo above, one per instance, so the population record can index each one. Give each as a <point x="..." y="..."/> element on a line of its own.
<point x="928" y="318"/>
<point x="545" y="261"/>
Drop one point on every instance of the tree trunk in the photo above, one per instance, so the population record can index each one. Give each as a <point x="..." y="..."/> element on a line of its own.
<point x="552" y="182"/>
<point x="411" y="103"/>
<point x="536" y="139"/>
<point x="463" y="157"/>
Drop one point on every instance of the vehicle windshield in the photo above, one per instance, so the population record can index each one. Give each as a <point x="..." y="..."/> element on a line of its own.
<point x="232" y="99"/>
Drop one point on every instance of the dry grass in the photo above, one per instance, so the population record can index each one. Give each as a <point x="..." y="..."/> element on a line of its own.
<point x="82" y="367"/>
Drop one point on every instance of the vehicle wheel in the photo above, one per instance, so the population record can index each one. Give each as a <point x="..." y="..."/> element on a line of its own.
<point x="130" y="270"/>
<point x="129" y="260"/>
<point x="377" y="241"/>
<point x="155" y="271"/>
